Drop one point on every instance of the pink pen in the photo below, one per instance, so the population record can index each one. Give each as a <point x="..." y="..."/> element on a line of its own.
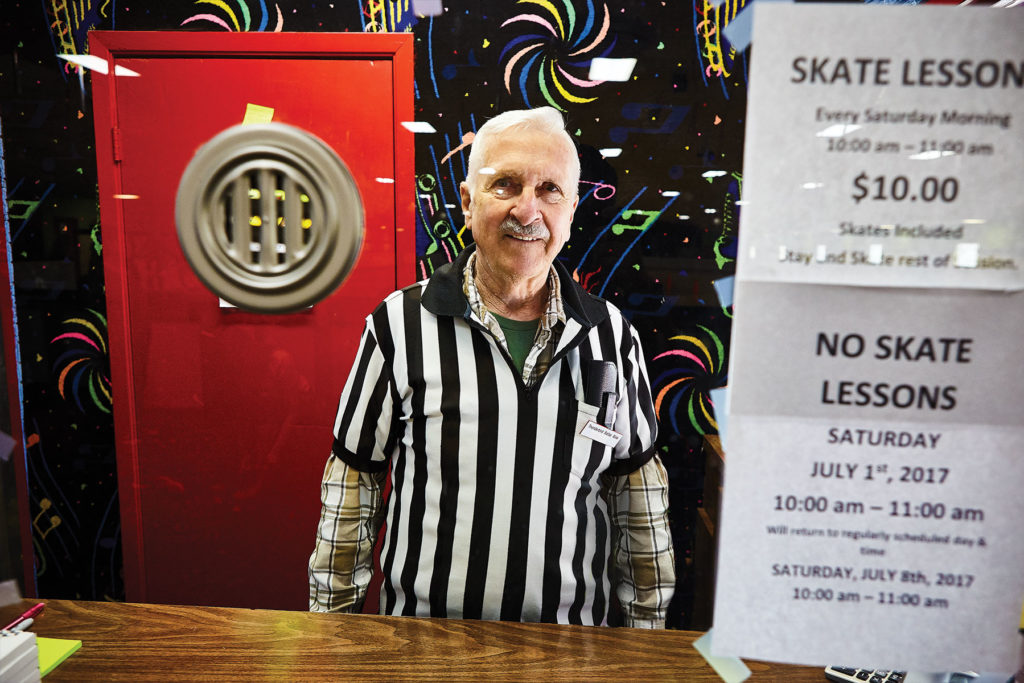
<point x="30" y="613"/>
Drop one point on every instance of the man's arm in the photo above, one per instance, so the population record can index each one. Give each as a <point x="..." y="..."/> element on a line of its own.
<point x="351" y="489"/>
<point x="642" y="555"/>
<point x="342" y="561"/>
<point x="642" y="544"/>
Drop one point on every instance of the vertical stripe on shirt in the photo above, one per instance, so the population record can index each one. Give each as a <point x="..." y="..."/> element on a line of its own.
<point x="486" y="465"/>
<point x="429" y="461"/>
<point x="551" y="593"/>
<point x="375" y="405"/>
<point x="606" y="339"/>
<point x="469" y="465"/>
<point x="522" y="494"/>
<point x="381" y="322"/>
<point x="417" y="458"/>
<point x="580" y="507"/>
<point x="356" y="384"/>
<point x="449" y="456"/>
<point x="625" y="344"/>
<point x="547" y="461"/>
<point x="502" y="529"/>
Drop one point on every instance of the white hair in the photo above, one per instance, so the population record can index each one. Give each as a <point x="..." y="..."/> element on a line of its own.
<point x="544" y="119"/>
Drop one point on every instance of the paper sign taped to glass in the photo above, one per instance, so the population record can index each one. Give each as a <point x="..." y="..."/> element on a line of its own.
<point x="884" y="147"/>
<point x="872" y="502"/>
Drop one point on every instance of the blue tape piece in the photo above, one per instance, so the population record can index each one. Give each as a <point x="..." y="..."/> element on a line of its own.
<point x="740" y="30"/>
<point x="427" y="8"/>
<point x="723" y="288"/>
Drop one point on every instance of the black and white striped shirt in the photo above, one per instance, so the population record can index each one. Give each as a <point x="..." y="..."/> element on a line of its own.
<point x="499" y="507"/>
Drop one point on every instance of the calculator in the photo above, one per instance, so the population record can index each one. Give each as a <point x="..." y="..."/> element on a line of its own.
<point x="852" y="674"/>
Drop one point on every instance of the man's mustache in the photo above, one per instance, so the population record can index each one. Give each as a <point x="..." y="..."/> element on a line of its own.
<point x="510" y="226"/>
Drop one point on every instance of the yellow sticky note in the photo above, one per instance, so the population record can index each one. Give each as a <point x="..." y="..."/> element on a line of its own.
<point x="255" y="113"/>
<point x="53" y="651"/>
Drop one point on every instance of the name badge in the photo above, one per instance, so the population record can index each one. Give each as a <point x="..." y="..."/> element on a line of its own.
<point x="600" y="433"/>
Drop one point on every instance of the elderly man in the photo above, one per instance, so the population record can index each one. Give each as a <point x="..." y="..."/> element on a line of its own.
<point x="513" y="412"/>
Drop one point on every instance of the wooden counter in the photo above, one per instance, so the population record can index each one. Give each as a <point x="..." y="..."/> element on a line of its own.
<point x="137" y="642"/>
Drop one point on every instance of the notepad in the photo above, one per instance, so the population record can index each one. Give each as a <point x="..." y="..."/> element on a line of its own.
<point x="53" y="651"/>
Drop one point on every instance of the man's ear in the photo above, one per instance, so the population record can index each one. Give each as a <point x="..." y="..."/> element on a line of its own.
<point x="467" y="202"/>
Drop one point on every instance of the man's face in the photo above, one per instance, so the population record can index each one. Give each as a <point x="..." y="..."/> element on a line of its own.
<point x="521" y="206"/>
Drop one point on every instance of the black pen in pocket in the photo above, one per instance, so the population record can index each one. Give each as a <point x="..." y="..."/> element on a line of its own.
<point x="600" y="390"/>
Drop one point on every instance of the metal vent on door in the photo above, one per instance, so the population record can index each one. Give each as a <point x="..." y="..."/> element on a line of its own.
<point x="269" y="217"/>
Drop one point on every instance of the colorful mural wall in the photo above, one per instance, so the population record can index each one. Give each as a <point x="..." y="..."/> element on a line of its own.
<point x="655" y="228"/>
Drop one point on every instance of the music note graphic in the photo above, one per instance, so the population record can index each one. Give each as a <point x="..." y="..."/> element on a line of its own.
<point x="650" y="217"/>
<point x="20" y="209"/>
<point x="666" y="119"/>
<point x="55" y="520"/>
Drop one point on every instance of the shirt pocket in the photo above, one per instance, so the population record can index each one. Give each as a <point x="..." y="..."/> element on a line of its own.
<point x="582" y="456"/>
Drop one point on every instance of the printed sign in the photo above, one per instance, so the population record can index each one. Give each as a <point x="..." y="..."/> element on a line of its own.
<point x="883" y="152"/>
<point x="874" y="483"/>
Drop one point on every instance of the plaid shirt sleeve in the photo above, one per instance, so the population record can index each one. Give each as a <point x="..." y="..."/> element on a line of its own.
<point x="342" y="561"/>
<point x="641" y="544"/>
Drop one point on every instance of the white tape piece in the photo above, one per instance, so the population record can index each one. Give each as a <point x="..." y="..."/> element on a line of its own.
<point x="729" y="669"/>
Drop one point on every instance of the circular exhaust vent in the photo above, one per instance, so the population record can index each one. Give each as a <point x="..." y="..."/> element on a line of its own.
<point x="269" y="217"/>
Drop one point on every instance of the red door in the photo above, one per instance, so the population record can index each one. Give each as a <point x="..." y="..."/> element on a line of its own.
<point x="224" y="417"/>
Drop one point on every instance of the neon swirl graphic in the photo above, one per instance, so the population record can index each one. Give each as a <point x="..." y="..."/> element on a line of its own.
<point x="383" y="16"/>
<point x="713" y="18"/>
<point x="82" y="369"/>
<point x="552" y="47"/>
<point x="698" y="366"/>
<point x="246" y="16"/>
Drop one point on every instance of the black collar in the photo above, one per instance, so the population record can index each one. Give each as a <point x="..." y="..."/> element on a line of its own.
<point x="443" y="294"/>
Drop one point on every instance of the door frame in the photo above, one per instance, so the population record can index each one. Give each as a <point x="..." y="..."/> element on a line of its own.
<point x="110" y="46"/>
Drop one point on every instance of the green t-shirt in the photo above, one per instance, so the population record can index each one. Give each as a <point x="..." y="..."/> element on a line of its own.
<point x="519" y="336"/>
